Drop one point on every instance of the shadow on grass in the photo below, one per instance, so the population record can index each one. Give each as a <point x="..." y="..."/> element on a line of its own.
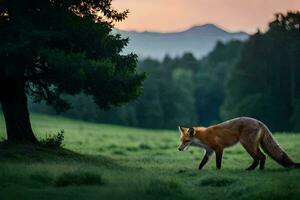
<point x="10" y="152"/>
<point x="218" y="181"/>
<point x="79" y="178"/>
<point x="72" y="178"/>
<point x="165" y="189"/>
<point x="161" y="188"/>
<point x="258" y="171"/>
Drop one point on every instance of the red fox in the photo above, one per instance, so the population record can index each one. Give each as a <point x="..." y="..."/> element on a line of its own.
<point x="250" y="132"/>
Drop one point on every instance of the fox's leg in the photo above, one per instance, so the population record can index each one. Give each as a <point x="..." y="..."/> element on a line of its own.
<point x="205" y="159"/>
<point x="254" y="164"/>
<point x="253" y="151"/>
<point x="219" y="154"/>
<point x="262" y="159"/>
<point x="259" y="158"/>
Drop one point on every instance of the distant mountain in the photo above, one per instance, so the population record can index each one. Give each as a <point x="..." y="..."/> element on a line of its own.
<point x="199" y="40"/>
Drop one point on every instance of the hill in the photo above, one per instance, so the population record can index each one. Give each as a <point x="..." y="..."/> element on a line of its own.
<point x="199" y="40"/>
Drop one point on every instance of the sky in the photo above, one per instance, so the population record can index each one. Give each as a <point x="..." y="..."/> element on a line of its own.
<point x="178" y="15"/>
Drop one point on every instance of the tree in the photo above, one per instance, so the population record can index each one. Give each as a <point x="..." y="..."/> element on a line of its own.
<point x="214" y="71"/>
<point x="264" y="83"/>
<point x="52" y="47"/>
<point x="183" y="105"/>
<point x="149" y="108"/>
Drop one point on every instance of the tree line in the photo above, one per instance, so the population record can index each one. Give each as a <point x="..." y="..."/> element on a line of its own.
<point x="257" y="78"/>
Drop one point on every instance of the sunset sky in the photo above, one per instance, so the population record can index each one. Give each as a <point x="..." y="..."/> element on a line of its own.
<point x="177" y="15"/>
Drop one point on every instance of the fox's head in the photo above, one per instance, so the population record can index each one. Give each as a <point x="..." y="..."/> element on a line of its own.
<point x="186" y="137"/>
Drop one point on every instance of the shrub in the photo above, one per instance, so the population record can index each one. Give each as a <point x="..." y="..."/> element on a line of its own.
<point x="53" y="141"/>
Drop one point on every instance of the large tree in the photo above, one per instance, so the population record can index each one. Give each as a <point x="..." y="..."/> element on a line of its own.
<point x="53" y="47"/>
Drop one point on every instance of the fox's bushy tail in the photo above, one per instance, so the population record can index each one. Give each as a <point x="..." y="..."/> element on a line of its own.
<point x="272" y="148"/>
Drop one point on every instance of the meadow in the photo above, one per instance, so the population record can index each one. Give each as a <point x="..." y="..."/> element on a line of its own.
<point x="113" y="162"/>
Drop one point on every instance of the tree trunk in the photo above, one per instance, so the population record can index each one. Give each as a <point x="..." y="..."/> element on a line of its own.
<point x="14" y="106"/>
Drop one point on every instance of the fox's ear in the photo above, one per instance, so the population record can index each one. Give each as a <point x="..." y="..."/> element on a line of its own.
<point x="191" y="132"/>
<point x="181" y="129"/>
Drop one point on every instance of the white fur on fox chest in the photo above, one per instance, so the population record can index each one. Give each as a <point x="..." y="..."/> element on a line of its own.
<point x="199" y="143"/>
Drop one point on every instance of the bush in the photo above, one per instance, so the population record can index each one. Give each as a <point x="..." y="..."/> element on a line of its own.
<point x="53" y="141"/>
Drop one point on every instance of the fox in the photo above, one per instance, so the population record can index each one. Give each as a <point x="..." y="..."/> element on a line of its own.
<point x="251" y="133"/>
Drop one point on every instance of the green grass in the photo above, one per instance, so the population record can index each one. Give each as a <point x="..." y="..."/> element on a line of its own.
<point x="114" y="162"/>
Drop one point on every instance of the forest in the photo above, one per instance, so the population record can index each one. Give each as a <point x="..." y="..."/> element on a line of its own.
<point x="257" y="78"/>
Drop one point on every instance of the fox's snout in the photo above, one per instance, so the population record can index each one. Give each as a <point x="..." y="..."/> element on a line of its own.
<point x="183" y="146"/>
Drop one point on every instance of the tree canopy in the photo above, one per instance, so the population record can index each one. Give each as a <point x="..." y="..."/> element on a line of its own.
<point x="52" y="47"/>
<point x="265" y="82"/>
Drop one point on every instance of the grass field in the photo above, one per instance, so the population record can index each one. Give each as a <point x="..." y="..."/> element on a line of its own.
<point x="113" y="162"/>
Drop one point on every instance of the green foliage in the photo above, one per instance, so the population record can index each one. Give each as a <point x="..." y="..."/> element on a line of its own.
<point x="66" y="47"/>
<point x="211" y="80"/>
<point x="49" y="49"/>
<point x="168" y="98"/>
<point x="263" y="83"/>
<point x="178" y="91"/>
<point x="53" y="141"/>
